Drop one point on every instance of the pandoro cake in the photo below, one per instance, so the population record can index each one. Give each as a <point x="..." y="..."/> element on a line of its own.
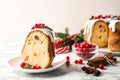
<point x="38" y="48"/>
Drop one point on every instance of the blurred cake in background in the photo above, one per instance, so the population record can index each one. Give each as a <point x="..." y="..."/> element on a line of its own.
<point x="103" y="31"/>
<point x="96" y="31"/>
<point x="114" y="34"/>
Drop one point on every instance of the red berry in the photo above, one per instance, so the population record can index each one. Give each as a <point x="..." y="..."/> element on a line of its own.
<point x="83" y="45"/>
<point x="90" y="45"/>
<point x="34" y="67"/>
<point x="23" y="64"/>
<point x="38" y="67"/>
<point x="96" y="18"/>
<point x="92" y="17"/>
<point x="118" y="17"/>
<point x="39" y="24"/>
<point x="87" y="45"/>
<point x="76" y="45"/>
<point x="101" y="66"/>
<point x="42" y="24"/>
<point x="67" y="63"/>
<point x="108" y="16"/>
<point x="80" y="61"/>
<point x="76" y="61"/>
<point x="67" y="58"/>
<point x="36" y="25"/>
<point x="103" y="17"/>
<point x="99" y="17"/>
<point x="80" y="50"/>
<point x="33" y="28"/>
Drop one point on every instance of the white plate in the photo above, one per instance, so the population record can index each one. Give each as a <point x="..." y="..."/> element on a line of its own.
<point x="105" y="50"/>
<point x="15" y="62"/>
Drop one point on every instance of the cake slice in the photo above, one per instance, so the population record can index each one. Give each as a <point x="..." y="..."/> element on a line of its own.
<point x="96" y="32"/>
<point x="38" y="48"/>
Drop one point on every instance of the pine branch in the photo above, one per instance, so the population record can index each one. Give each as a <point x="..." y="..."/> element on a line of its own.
<point x="61" y="35"/>
<point x="79" y="38"/>
<point x="47" y="28"/>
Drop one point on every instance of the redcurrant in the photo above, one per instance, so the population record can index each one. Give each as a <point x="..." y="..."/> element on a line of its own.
<point x="23" y="64"/>
<point x="34" y="67"/>
<point x="76" y="61"/>
<point x="101" y="66"/>
<point x="67" y="63"/>
<point x="42" y="24"/>
<point x="80" y="61"/>
<point x="92" y="17"/>
<point x="38" y="67"/>
<point x="67" y="58"/>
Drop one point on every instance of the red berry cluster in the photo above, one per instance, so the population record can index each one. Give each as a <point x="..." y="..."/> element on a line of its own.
<point x="105" y="17"/>
<point x="24" y="65"/>
<point x="80" y="61"/>
<point x="84" y="47"/>
<point x="67" y="60"/>
<point x="38" y="25"/>
<point x="100" y="17"/>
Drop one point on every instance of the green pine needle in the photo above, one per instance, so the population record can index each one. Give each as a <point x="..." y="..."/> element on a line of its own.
<point x="61" y="35"/>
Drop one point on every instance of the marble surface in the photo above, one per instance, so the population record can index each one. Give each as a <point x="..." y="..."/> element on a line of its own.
<point x="10" y="50"/>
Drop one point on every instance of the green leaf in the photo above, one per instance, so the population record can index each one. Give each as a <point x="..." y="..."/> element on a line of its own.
<point x="79" y="38"/>
<point x="61" y="35"/>
<point x="28" y="66"/>
<point x="47" y="28"/>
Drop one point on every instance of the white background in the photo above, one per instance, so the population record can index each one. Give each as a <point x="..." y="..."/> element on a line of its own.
<point x="18" y="16"/>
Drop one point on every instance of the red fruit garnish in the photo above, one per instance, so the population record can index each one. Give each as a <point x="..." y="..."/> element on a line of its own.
<point x="36" y="26"/>
<point x="23" y="64"/>
<point x="39" y="24"/>
<point x="67" y="63"/>
<point x="108" y="16"/>
<point x="75" y="45"/>
<point x="118" y="17"/>
<point x="92" y="17"/>
<point x="34" y="67"/>
<point x="80" y="50"/>
<point x="76" y="61"/>
<point x="38" y="67"/>
<point x="96" y="18"/>
<point x="101" y="66"/>
<point x="103" y="17"/>
<point x="42" y="24"/>
<point x="67" y="58"/>
<point x="80" y="61"/>
<point x="99" y="17"/>
<point x="79" y="46"/>
<point x="90" y="45"/>
<point x="33" y="28"/>
<point x="83" y="45"/>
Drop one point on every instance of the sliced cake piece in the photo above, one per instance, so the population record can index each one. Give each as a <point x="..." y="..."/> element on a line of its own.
<point x="38" y="48"/>
<point x="96" y="32"/>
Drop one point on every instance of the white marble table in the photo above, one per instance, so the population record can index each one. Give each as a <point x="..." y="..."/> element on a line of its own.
<point x="9" y="50"/>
